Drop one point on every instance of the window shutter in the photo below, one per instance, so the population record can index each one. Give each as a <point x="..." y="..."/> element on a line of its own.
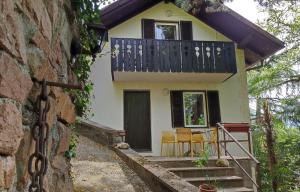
<point x="213" y="107"/>
<point x="148" y="28"/>
<point x="186" y="30"/>
<point x="177" y="109"/>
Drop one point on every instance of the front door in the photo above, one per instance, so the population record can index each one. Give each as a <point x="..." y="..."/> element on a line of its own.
<point x="137" y="120"/>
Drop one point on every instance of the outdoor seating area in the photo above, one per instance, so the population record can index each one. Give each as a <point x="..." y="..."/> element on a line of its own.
<point x="173" y="142"/>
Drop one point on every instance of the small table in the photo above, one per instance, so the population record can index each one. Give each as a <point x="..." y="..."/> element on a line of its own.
<point x="198" y="132"/>
<point x="237" y="128"/>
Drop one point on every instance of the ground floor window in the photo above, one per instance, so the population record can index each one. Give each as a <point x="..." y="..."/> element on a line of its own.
<point x="194" y="108"/>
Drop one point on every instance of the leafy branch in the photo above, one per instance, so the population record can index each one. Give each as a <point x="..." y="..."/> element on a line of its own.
<point x="197" y="7"/>
<point x="87" y="12"/>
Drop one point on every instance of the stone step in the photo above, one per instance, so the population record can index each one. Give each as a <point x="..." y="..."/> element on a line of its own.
<point x="202" y="172"/>
<point x="236" y="189"/>
<point x="220" y="182"/>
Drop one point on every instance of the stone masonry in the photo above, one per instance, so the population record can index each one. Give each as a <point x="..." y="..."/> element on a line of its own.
<point x="35" y="39"/>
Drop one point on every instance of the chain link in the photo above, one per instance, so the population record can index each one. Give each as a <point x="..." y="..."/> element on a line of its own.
<point x="38" y="161"/>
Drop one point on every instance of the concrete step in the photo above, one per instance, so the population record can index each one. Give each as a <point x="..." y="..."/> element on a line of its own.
<point x="175" y="163"/>
<point x="169" y="162"/>
<point x="220" y="182"/>
<point x="186" y="172"/>
<point x="236" y="189"/>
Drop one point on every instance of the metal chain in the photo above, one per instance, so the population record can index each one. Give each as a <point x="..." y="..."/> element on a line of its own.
<point x="38" y="161"/>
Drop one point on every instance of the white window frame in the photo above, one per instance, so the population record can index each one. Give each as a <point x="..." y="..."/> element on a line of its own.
<point x="168" y="23"/>
<point x="204" y="110"/>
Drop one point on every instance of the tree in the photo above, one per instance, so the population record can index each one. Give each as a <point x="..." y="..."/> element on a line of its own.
<point x="202" y="6"/>
<point x="278" y="79"/>
<point x="280" y="75"/>
<point x="270" y="142"/>
<point x="275" y="86"/>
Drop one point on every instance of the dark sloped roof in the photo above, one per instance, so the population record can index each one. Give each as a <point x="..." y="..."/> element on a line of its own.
<point x="258" y="44"/>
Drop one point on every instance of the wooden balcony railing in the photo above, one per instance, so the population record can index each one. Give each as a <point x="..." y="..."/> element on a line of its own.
<point x="149" y="55"/>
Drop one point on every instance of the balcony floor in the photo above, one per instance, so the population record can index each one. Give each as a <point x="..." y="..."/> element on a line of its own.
<point x="165" y="77"/>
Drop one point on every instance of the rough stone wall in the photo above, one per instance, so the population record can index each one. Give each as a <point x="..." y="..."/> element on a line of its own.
<point x="35" y="38"/>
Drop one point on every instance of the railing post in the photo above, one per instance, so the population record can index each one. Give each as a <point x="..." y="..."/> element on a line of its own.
<point x="257" y="183"/>
<point x="225" y="142"/>
<point x="218" y="142"/>
<point x="258" y="180"/>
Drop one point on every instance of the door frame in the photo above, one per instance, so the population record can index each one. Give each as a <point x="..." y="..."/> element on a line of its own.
<point x="150" y="119"/>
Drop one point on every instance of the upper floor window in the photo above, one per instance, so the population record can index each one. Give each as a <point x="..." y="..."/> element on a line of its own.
<point x="168" y="31"/>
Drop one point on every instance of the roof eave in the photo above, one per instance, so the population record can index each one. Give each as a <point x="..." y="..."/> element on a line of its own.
<point x="121" y="11"/>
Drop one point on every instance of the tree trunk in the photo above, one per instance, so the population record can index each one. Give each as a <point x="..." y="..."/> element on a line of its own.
<point x="270" y="144"/>
<point x="258" y="117"/>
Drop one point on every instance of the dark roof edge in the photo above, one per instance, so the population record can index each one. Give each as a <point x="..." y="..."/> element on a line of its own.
<point x="113" y="6"/>
<point x="120" y="6"/>
<point x="256" y="27"/>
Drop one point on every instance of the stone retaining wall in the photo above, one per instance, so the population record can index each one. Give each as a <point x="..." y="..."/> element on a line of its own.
<point x="100" y="133"/>
<point x="35" y="38"/>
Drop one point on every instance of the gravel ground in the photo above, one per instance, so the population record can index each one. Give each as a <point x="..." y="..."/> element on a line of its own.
<point x="98" y="169"/>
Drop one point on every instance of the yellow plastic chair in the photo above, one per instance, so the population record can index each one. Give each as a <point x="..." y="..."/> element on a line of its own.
<point x="167" y="137"/>
<point x="184" y="135"/>
<point x="198" y="139"/>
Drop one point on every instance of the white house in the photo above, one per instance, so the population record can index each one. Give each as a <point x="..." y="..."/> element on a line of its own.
<point x="165" y="68"/>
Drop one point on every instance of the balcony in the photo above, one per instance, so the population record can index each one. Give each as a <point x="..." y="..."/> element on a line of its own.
<point x="152" y="60"/>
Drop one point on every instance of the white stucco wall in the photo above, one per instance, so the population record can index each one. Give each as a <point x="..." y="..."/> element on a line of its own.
<point x="132" y="27"/>
<point x="107" y="104"/>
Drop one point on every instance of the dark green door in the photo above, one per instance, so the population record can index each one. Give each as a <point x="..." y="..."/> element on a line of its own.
<point x="137" y="120"/>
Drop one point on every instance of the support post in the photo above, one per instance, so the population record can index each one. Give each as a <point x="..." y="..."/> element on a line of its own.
<point x="225" y="143"/>
<point x="218" y="142"/>
<point x="258" y="180"/>
<point x="249" y="141"/>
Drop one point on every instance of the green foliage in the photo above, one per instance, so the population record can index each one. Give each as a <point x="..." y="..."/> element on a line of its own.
<point x="279" y="79"/>
<point x="287" y="148"/>
<point x="278" y="82"/>
<point x="82" y="97"/>
<point x="202" y="159"/>
<point x="87" y="12"/>
<point x="200" y="6"/>
<point x="280" y="74"/>
<point x="71" y="153"/>
<point x="186" y="5"/>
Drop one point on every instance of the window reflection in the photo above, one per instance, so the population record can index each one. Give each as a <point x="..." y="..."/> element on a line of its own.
<point x="194" y="109"/>
<point x="167" y="31"/>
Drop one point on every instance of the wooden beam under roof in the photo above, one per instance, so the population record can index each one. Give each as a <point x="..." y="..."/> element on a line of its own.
<point x="245" y="41"/>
